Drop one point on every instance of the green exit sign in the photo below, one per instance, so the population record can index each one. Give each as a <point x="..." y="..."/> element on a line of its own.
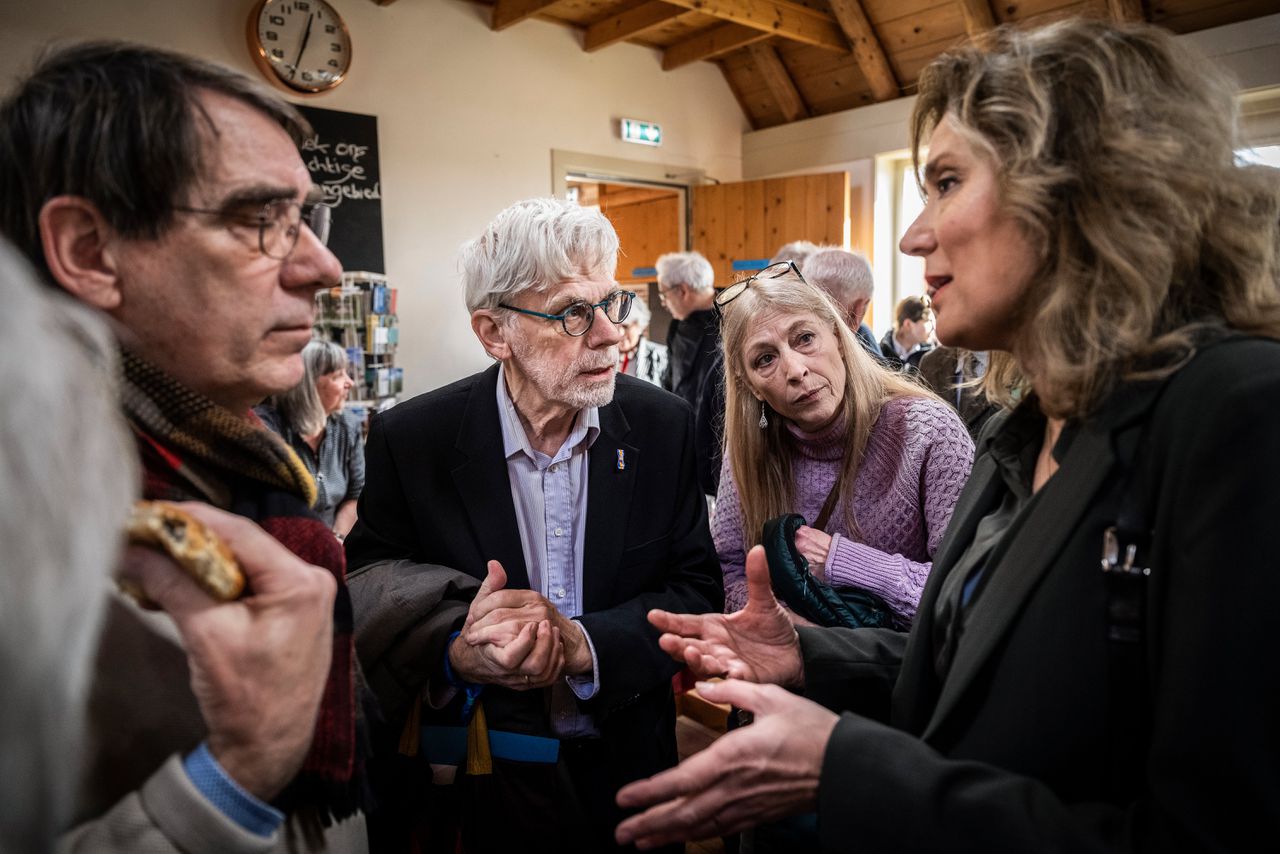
<point x="643" y="133"/>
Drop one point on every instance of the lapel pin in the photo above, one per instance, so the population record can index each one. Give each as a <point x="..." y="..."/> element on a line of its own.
<point x="622" y="459"/>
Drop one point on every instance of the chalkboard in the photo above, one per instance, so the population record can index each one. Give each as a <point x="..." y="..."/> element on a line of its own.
<point x="342" y="157"/>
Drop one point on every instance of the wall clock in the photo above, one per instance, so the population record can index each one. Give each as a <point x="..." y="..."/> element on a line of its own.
<point x="302" y="45"/>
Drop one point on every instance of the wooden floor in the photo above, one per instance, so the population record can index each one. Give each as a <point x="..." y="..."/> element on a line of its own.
<point x="691" y="736"/>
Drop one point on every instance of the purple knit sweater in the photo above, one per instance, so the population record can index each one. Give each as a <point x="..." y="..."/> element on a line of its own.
<point x="918" y="457"/>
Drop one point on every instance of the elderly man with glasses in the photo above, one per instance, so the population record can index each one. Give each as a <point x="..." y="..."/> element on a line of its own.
<point x="569" y="493"/>
<point x="169" y="194"/>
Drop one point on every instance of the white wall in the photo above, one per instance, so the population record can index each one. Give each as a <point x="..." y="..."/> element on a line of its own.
<point x="467" y="119"/>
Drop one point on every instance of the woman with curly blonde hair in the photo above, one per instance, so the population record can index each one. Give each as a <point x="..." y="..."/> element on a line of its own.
<point x="1092" y="665"/>
<point x="815" y="426"/>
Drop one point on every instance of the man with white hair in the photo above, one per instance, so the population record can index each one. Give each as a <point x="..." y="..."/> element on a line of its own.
<point x="797" y="251"/>
<point x="686" y="288"/>
<point x="846" y="276"/>
<point x="570" y="491"/>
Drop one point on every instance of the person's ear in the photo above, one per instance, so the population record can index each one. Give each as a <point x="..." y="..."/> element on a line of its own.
<point x="492" y="333"/>
<point x="858" y="309"/>
<point x="79" y="251"/>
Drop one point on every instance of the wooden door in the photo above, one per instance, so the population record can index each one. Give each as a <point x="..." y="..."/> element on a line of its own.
<point x="748" y="221"/>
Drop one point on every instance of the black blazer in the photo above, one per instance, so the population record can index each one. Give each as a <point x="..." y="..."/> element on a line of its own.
<point x="1040" y="738"/>
<point x="437" y="492"/>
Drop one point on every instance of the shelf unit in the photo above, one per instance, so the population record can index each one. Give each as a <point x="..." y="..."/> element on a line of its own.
<point x="360" y="315"/>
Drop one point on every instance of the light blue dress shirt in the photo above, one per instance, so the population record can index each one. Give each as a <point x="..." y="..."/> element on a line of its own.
<point x="550" y="495"/>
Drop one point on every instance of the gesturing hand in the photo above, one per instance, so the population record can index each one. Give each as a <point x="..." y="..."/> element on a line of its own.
<point x="757" y="644"/>
<point x="749" y="776"/>
<point x="530" y="655"/>
<point x="258" y="664"/>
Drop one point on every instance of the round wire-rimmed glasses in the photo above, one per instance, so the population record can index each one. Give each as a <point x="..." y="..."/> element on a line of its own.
<point x="773" y="271"/>
<point x="578" y="315"/>
<point x="280" y="222"/>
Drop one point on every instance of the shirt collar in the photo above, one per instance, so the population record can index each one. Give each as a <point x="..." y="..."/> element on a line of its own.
<point x="586" y="427"/>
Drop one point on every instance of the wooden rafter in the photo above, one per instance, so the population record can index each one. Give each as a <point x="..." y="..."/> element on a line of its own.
<point x="776" y="17"/>
<point x="1125" y="10"/>
<point x="977" y="17"/>
<point x="867" y="51"/>
<point x="712" y="43"/>
<point x="508" y="12"/>
<point x="780" y="84"/>
<point x="629" y="24"/>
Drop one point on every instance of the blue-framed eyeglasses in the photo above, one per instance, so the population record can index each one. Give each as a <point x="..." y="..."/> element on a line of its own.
<point x="773" y="271"/>
<point x="580" y="314"/>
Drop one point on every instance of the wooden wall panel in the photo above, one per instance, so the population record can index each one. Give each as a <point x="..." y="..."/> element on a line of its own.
<point x="645" y="231"/>
<point x="755" y="239"/>
<point x="709" y="227"/>
<point x="751" y="220"/>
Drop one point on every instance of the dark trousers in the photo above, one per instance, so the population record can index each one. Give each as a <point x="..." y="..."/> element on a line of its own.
<point x="567" y="808"/>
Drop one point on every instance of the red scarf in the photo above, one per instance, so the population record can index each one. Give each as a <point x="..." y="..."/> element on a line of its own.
<point x="193" y="449"/>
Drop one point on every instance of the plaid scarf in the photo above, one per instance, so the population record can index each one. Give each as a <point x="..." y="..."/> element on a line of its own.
<point x="193" y="449"/>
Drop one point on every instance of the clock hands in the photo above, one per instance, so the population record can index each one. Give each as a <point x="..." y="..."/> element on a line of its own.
<point x="306" y="34"/>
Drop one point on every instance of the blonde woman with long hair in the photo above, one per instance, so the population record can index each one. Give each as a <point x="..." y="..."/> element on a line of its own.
<point x="813" y="425"/>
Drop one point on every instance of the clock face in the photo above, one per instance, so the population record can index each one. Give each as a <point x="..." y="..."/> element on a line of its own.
<point x="302" y="43"/>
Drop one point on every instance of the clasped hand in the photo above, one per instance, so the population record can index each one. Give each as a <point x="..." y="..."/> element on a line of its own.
<point x="516" y="638"/>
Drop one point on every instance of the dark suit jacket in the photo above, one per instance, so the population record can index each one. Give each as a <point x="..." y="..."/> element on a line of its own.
<point x="938" y="370"/>
<point x="693" y="344"/>
<point x="1022" y="746"/>
<point x="437" y="492"/>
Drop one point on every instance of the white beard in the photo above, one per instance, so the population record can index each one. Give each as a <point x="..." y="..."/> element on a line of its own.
<point x="565" y="386"/>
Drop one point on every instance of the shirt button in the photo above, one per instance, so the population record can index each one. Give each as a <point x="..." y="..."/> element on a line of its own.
<point x="559" y="532"/>
<point x="560" y="593"/>
<point x="553" y="469"/>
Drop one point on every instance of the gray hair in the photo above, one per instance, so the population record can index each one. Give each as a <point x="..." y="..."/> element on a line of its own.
<point x="797" y="250"/>
<point x="534" y="245"/>
<point x="68" y="474"/>
<point x="300" y="408"/>
<point x="843" y="274"/>
<point x="640" y="314"/>
<point x="685" y="268"/>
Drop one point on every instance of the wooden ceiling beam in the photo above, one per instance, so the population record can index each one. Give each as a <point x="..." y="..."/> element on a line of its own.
<point x="777" y="18"/>
<point x="1125" y="11"/>
<point x="743" y="103"/>
<point x="977" y="17"/>
<point x="509" y="12"/>
<point x="780" y="84"/>
<point x="867" y="51"/>
<point x="629" y="24"/>
<point x="712" y="43"/>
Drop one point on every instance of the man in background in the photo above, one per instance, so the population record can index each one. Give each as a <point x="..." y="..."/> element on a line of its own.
<point x="846" y="276"/>
<point x="911" y="337"/>
<point x="694" y="371"/>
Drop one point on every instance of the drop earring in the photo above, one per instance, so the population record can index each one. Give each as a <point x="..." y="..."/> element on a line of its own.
<point x="764" y="419"/>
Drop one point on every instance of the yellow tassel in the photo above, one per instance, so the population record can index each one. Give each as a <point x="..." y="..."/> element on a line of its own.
<point x="412" y="732"/>
<point x="479" y="760"/>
